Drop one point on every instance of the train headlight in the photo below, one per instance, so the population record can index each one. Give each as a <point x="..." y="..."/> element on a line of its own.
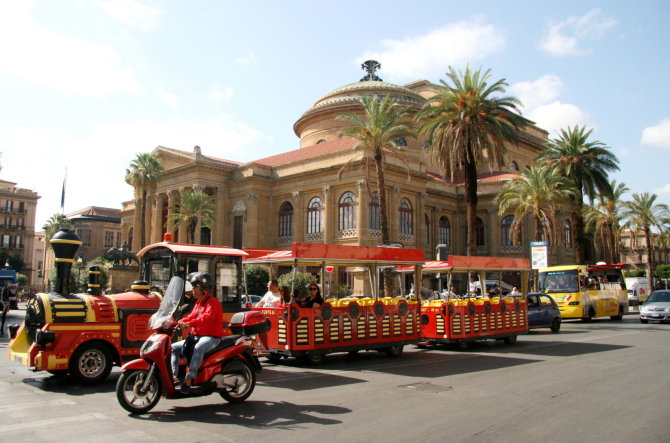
<point x="43" y="338"/>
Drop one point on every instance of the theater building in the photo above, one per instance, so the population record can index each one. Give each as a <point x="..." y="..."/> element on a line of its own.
<point x="297" y="196"/>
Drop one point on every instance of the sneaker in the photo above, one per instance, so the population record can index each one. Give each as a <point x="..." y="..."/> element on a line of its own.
<point x="184" y="388"/>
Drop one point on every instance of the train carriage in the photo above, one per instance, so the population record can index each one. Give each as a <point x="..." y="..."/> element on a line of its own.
<point x="367" y="322"/>
<point x="468" y="318"/>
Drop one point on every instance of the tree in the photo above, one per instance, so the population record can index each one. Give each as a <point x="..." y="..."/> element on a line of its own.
<point x="604" y="219"/>
<point x="257" y="278"/>
<point x="467" y="125"/>
<point x="643" y="214"/>
<point x="143" y="175"/>
<point x="376" y="130"/>
<point x="53" y="225"/>
<point x="538" y="192"/>
<point x="194" y="207"/>
<point x="299" y="281"/>
<point x="586" y="163"/>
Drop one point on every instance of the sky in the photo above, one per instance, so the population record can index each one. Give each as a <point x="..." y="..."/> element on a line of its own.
<point x="86" y="85"/>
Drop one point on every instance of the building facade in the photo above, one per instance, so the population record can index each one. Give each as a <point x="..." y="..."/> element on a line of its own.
<point x="305" y="195"/>
<point x="99" y="230"/>
<point x="17" y="225"/>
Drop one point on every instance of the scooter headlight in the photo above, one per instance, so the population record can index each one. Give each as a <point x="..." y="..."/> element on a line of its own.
<point x="149" y="346"/>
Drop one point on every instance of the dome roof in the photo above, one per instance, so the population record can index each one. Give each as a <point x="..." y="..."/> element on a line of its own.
<point x="355" y="91"/>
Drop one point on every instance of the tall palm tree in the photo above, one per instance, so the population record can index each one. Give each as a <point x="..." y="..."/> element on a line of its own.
<point x="603" y="218"/>
<point x="467" y="125"/>
<point x="194" y="206"/>
<point x="644" y="214"/>
<point x="376" y="129"/>
<point x="145" y="171"/>
<point x="538" y="192"/>
<point x="586" y="163"/>
<point x="54" y="224"/>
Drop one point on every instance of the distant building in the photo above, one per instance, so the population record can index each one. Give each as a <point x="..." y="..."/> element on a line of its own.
<point x="98" y="228"/>
<point x="17" y="223"/>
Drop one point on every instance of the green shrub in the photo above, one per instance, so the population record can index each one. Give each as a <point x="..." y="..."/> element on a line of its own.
<point x="257" y="278"/>
<point x="301" y="282"/>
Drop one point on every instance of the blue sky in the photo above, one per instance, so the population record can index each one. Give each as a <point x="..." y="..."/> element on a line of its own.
<point x="88" y="84"/>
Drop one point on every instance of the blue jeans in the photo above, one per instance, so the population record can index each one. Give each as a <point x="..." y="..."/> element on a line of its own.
<point x="205" y="343"/>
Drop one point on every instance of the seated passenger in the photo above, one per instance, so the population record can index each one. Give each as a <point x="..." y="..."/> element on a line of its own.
<point x="314" y="300"/>
<point x="272" y="298"/>
<point x="285" y="292"/>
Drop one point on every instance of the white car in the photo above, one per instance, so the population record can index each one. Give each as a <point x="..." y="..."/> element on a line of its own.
<point x="656" y="307"/>
<point x="253" y="299"/>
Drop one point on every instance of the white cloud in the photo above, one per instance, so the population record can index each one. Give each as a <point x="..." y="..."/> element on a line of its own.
<point x="220" y="94"/>
<point x="556" y="115"/>
<point x="657" y="135"/>
<point x="166" y="97"/>
<point x="431" y="54"/>
<point x="249" y="58"/>
<point x="61" y="62"/>
<point x="96" y="158"/>
<point x="663" y="193"/>
<point x="541" y="91"/>
<point x="565" y="38"/>
<point x="131" y="12"/>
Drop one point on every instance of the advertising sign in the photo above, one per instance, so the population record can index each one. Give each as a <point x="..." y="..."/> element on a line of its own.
<point x="538" y="254"/>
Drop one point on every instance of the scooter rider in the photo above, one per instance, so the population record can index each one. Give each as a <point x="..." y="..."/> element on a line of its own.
<point x="206" y="323"/>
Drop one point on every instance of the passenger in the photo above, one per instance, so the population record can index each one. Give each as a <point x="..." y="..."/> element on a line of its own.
<point x="515" y="292"/>
<point x="297" y="296"/>
<point x="285" y="294"/>
<point x="272" y="298"/>
<point x="314" y="300"/>
<point x="475" y="287"/>
<point x="206" y="324"/>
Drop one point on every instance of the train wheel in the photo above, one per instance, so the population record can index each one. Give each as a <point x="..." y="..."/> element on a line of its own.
<point x="273" y="357"/>
<point x="312" y="358"/>
<point x="510" y="340"/>
<point x="394" y="351"/>
<point x="556" y="325"/>
<point x="91" y="363"/>
<point x="130" y="394"/>
<point x="239" y="380"/>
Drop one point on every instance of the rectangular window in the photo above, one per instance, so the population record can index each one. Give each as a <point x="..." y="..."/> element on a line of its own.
<point x="18" y="242"/>
<point x="109" y="239"/>
<point x="85" y="236"/>
<point x="9" y="205"/>
<point x="6" y="239"/>
<point x="22" y="207"/>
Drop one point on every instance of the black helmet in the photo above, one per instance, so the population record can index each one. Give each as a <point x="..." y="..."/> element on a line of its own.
<point x="200" y="278"/>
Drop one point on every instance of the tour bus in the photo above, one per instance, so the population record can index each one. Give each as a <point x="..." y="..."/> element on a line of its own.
<point x="586" y="291"/>
<point x="461" y="316"/>
<point x="365" y="320"/>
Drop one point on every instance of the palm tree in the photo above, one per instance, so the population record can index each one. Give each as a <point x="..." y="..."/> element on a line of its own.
<point x="538" y="192"/>
<point x="466" y="125"/>
<point x="145" y="171"/>
<point x="194" y="207"/>
<point x="376" y="131"/>
<point x="643" y="214"/>
<point x="604" y="219"/>
<point x="54" y="224"/>
<point x="586" y="163"/>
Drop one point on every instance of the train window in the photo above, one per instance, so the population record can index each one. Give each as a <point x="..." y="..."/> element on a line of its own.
<point x="159" y="274"/>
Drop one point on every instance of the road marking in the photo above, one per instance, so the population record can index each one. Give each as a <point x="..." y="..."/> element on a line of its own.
<point x="36" y="424"/>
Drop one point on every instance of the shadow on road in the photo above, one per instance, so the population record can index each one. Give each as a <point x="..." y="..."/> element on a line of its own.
<point x="275" y="377"/>
<point x="66" y="385"/>
<point x="255" y="414"/>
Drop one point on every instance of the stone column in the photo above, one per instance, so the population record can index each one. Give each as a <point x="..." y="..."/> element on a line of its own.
<point x="329" y="227"/>
<point x="435" y="229"/>
<point x="494" y="233"/>
<point x="218" y="230"/>
<point x="362" y="214"/>
<point x="299" y="216"/>
<point x="251" y="225"/>
<point x="157" y="228"/>
<point x="148" y="218"/>
<point x="183" y="226"/>
<point x="173" y="198"/>
<point x="137" y="225"/>
<point x="392" y="211"/>
<point x="197" y="237"/>
<point x="420" y="221"/>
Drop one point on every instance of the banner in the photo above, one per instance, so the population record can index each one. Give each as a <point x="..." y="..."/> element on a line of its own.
<point x="538" y="254"/>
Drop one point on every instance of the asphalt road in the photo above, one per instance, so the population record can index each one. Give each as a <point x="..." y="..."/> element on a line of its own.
<point x="599" y="381"/>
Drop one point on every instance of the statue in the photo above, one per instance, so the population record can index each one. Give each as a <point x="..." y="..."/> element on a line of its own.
<point x="371" y="66"/>
<point x="122" y="256"/>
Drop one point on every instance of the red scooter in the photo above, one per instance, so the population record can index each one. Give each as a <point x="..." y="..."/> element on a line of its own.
<point x="229" y="369"/>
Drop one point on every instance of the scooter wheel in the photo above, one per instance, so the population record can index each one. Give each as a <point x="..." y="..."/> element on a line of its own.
<point x="130" y="394"/>
<point x="239" y="380"/>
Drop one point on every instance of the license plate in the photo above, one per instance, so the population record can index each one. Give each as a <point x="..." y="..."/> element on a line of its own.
<point x="656" y="316"/>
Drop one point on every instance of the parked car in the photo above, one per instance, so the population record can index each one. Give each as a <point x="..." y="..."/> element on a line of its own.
<point x="543" y="312"/>
<point x="253" y="299"/>
<point x="656" y="307"/>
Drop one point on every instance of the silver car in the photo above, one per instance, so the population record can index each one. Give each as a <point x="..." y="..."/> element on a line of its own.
<point x="656" y="307"/>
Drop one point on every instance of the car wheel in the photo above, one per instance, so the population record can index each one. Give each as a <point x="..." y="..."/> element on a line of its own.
<point x="589" y="316"/>
<point x="618" y="317"/>
<point x="556" y="325"/>
<point x="642" y="320"/>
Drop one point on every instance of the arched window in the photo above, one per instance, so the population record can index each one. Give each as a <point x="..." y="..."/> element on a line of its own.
<point x="406" y="216"/>
<point x="426" y="223"/>
<point x="445" y="231"/>
<point x="567" y="234"/>
<point x="400" y="141"/>
<point x="374" y="212"/>
<point x="347" y="211"/>
<point x="479" y="232"/>
<point x="506" y="230"/>
<point x="286" y="220"/>
<point x="514" y="166"/>
<point x="314" y="223"/>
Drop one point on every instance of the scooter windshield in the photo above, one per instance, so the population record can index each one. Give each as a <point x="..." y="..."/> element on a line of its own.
<point x="169" y="303"/>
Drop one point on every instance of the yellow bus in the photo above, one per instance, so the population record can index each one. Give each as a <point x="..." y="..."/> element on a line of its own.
<point x="586" y="292"/>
